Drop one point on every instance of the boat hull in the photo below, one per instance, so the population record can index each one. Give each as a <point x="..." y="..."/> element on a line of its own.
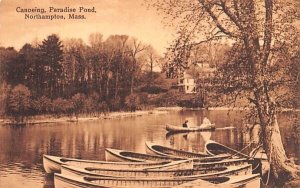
<point x="214" y="148"/>
<point x="226" y="162"/>
<point x="79" y="172"/>
<point x="62" y="181"/>
<point x="155" y="149"/>
<point x="122" y="155"/>
<point x="53" y="164"/>
<point x="174" y="129"/>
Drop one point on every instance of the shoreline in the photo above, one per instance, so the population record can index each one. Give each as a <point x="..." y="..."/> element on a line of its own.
<point x="48" y="119"/>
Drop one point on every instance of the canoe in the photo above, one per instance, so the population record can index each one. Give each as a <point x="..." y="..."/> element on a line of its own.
<point x="173" y="128"/>
<point x="53" y="164"/>
<point x="260" y="154"/>
<point x="215" y="148"/>
<point x="123" y="155"/>
<point x="245" y="181"/>
<point x="256" y="164"/>
<point x="64" y="181"/>
<point x="134" y="173"/>
<point x="156" y="149"/>
<point x="225" y="162"/>
<point x="137" y="174"/>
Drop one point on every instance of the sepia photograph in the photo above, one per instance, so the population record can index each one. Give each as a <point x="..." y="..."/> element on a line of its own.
<point x="149" y="93"/>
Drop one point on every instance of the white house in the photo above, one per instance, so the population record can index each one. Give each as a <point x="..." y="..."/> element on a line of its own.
<point x="186" y="83"/>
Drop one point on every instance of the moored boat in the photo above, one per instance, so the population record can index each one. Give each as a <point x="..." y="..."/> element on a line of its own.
<point x="134" y="173"/>
<point x="173" y="128"/>
<point x="215" y="148"/>
<point x="78" y="171"/>
<point x="225" y="162"/>
<point x="230" y="162"/>
<point x="63" y="181"/>
<point x="53" y="164"/>
<point x="260" y="154"/>
<point x="122" y="155"/>
<point x="156" y="149"/>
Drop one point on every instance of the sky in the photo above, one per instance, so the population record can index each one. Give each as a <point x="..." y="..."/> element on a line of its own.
<point x="128" y="17"/>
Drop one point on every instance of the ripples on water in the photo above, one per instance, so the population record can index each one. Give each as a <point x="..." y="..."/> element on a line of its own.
<point x="22" y="147"/>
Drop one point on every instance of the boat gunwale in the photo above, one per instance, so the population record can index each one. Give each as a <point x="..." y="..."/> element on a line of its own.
<point x="118" y="153"/>
<point x="226" y="172"/>
<point x="237" y="153"/>
<point x="150" y="145"/>
<point x="150" y="163"/>
<point x="174" y="128"/>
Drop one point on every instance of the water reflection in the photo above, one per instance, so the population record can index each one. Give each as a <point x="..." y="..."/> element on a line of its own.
<point x="206" y="135"/>
<point x="22" y="147"/>
<point x="48" y="181"/>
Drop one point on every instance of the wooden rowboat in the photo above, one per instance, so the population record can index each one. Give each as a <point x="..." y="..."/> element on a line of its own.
<point x="173" y="128"/>
<point x="260" y="154"/>
<point x="79" y="171"/>
<point x="215" y="148"/>
<point x="200" y="173"/>
<point x="225" y="162"/>
<point x="69" y="181"/>
<point x="53" y="164"/>
<point x="256" y="164"/>
<point x="122" y="155"/>
<point x="156" y="149"/>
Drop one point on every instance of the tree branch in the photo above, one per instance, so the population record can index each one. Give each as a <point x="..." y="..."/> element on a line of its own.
<point x="230" y="14"/>
<point x="268" y="31"/>
<point x="215" y="19"/>
<point x="236" y="8"/>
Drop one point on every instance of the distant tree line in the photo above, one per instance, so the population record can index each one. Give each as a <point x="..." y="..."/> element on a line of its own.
<point x="71" y="77"/>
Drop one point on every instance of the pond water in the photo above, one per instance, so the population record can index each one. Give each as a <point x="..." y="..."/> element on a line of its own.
<point x="21" y="148"/>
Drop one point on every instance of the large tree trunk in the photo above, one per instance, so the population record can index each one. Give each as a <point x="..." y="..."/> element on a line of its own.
<point x="281" y="167"/>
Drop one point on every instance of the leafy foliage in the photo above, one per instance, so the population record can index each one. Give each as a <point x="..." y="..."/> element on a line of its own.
<point x="264" y="41"/>
<point x="72" y="77"/>
<point x="132" y="102"/>
<point x="18" y="103"/>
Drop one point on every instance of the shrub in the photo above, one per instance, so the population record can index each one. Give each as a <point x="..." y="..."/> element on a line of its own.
<point x="18" y="103"/>
<point x="41" y="105"/>
<point x="62" y="106"/>
<point x="132" y="102"/>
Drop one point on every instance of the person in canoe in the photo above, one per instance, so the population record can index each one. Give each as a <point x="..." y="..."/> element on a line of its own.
<point x="185" y="124"/>
<point x="206" y="121"/>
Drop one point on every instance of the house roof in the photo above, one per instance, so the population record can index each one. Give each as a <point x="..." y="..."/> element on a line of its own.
<point x="186" y="75"/>
<point x="205" y="67"/>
